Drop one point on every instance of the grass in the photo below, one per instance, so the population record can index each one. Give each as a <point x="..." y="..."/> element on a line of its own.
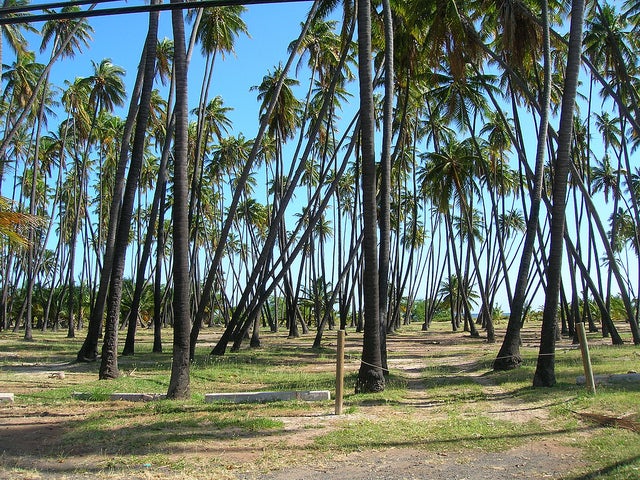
<point x="455" y="415"/>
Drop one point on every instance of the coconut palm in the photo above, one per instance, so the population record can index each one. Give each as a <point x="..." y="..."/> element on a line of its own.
<point x="370" y="375"/>
<point x="11" y="35"/>
<point x="509" y="354"/>
<point x="106" y="86"/>
<point x="545" y="368"/>
<point x="109" y="360"/>
<point x="179" y="382"/>
<point x="69" y="36"/>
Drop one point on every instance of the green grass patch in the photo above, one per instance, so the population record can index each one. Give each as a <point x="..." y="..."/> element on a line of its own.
<point x="453" y="433"/>
<point x="157" y="427"/>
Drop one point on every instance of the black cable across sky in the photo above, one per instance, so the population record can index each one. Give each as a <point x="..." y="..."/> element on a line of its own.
<point x="33" y="7"/>
<point x="44" y="17"/>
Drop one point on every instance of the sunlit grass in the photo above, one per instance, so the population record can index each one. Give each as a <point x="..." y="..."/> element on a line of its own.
<point x="454" y="433"/>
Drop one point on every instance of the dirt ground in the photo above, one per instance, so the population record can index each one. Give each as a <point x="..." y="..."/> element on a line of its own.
<point x="30" y="439"/>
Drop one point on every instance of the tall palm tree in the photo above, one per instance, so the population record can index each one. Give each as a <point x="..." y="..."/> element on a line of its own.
<point x="545" y="369"/>
<point x="370" y="375"/>
<point x="509" y="354"/>
<point x="217" y="30"/>
<point x="12" y="34"/>
<point x="109" y="361"/>
<point x="179" y="381"/>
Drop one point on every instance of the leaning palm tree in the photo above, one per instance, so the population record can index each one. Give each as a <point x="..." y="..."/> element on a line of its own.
<point x="509" y="354"/>
<point x="545" y="369"/>
<point x="109" y="363"/>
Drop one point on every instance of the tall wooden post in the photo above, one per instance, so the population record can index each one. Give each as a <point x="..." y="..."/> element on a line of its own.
<point x="340" y="371"/>
<point x="586" y="358"/>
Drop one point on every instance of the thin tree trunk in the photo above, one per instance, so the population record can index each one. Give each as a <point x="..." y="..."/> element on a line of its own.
<point x="179" y="382"/>
<point x="509" y="353"/>
<point x="385" y="181"/>
<point x="545" y="370"/>
<point x="370" y="375"/>
<point x="109" y="361"/>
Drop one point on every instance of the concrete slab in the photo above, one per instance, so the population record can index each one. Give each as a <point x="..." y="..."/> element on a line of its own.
<point x="6" y="398"/>
<point x="248" y="397"/>
<point x="613" y="379"/>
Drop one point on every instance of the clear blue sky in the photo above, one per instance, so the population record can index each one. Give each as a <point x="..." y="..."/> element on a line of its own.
<point x="121" y="38"/>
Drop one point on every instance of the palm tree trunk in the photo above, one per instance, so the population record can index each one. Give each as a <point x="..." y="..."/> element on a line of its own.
<point x="385" y="181"/>
<point x="179" y="382"/>
<point x="545" y="369"/>
<point x="109" y="361"/>
<point x="370" y="375"/>
<point x="509" y="353"/>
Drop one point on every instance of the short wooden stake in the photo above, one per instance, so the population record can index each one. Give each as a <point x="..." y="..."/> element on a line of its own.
<point x="340" y="371"/>
<point x="586" y="358"/>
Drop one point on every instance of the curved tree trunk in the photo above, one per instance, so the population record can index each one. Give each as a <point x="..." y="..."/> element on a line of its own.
<point x="109" y="361"/>
<point x="509" y="353"/>
<point x="545" y="370"/>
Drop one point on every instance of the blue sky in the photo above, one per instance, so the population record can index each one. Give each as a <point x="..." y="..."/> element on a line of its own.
<point x="272" y="28"/>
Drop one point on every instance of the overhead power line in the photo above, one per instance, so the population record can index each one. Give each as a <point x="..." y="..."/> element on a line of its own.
<point x="102" y="12"/>
<point x="34" y="7"/>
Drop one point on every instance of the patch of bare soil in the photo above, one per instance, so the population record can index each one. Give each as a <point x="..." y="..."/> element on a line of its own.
<point x="30" y="438"/>
<point x="537" y="460"/>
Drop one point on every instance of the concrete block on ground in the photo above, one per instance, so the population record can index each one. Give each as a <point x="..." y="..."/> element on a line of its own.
<point x="248" y="397"/>
<point x="6" y="398"/>
<point x="613" y="379"/>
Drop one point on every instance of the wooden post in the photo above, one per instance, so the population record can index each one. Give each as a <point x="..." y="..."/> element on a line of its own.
<point x="340" y="371"/>
<point x="586" y="358"/>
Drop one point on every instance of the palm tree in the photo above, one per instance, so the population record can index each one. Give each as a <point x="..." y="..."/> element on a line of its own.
<point x="217" y="30"/>
<point x="509" y="354"/>
<point x="109" y="361"/>
<point x="14" y="224"/>
<point x="164" y="60"/>
<point x="370" y="375"/>
<point x="69" y="36"/>
<point x="105" y="86"/>
<point x="179" y="382"/>
<point x="611" y="46"/>
<point x="281" y="126"/>
<point x="545" y="369"/>
<point x="11" y="34"/>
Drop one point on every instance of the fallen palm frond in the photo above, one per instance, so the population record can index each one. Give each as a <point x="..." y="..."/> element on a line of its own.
<point x="627" y="422"/>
